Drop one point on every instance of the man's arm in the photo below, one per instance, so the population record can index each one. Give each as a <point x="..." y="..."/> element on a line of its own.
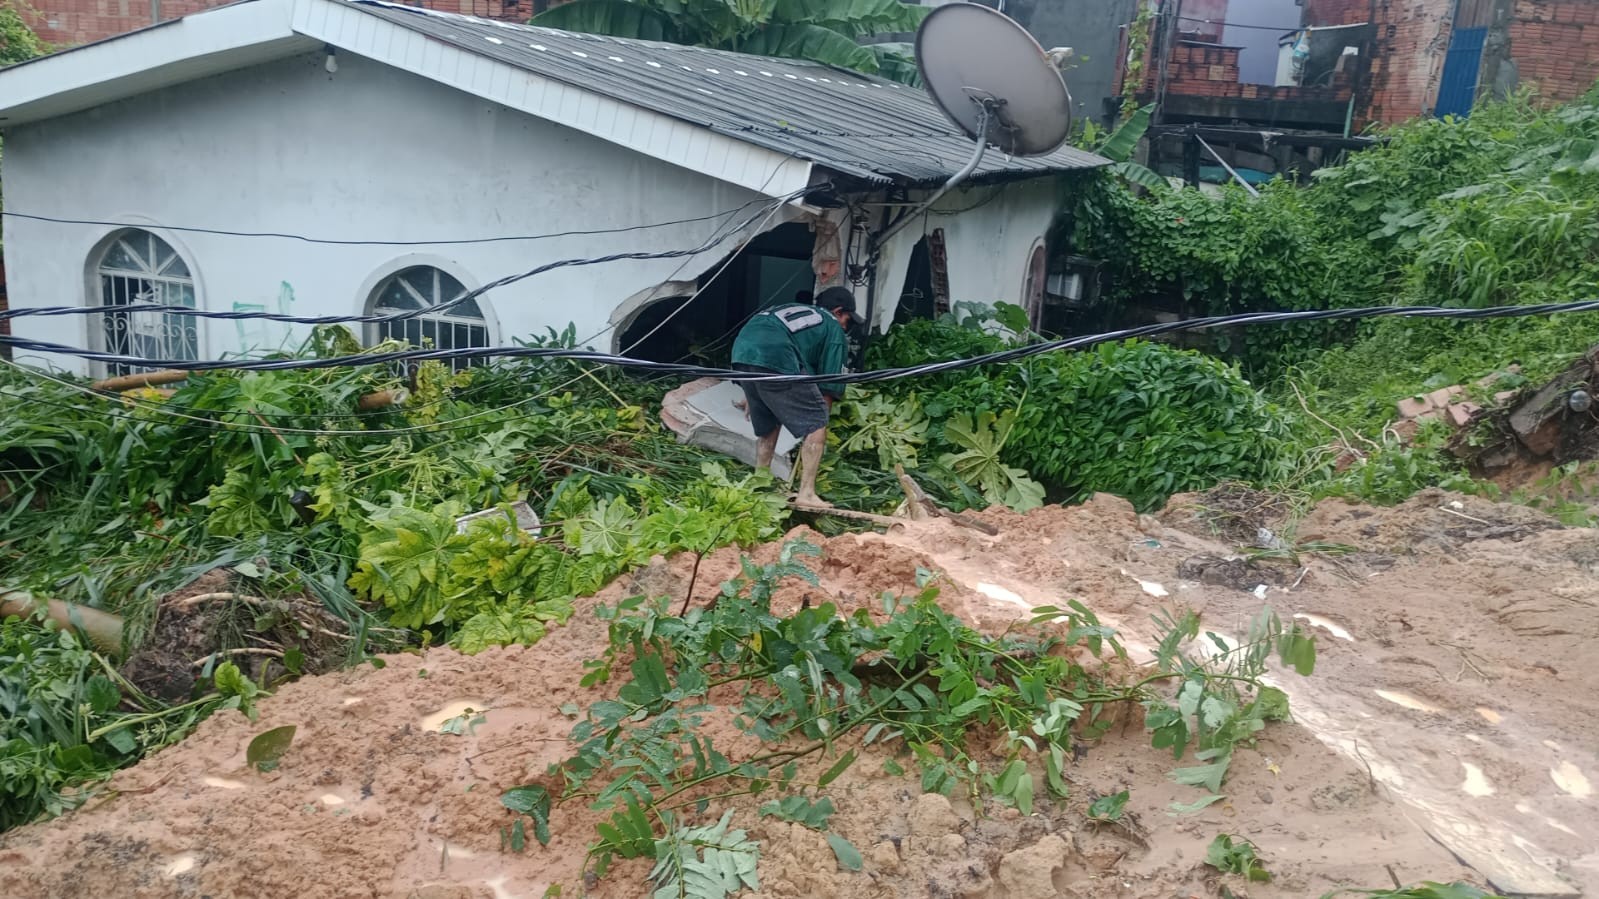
<point x="835" y="352"/>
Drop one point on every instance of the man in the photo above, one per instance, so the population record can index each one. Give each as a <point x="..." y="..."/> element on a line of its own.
<point x="795" y="339"/>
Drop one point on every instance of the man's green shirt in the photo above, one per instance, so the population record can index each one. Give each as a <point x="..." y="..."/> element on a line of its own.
<point x="794" y="339"/>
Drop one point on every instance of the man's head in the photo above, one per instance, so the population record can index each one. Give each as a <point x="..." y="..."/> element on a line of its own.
<point x="841" y="303"/>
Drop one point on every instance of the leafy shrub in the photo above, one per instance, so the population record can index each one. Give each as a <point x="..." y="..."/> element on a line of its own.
<point x="1145" y="421"/>
<point x="1140" y="420"/>
<point x="496" y="585"/>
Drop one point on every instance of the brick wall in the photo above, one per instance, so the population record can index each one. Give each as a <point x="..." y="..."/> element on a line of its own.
<point x="1555" y="45"/>
<point x="67" y="23"/>
<point x="1411" y="39"/>
<point x="1335" y="12"/>
<point x="1198" y="69"/>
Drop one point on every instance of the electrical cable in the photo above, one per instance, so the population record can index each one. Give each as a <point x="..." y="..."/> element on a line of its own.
<point x="685" y="304"/>
<point x="448" y="242"/>
<point x="1012" y="354"/>
<point x="700" y="287"/>
<point x="186" y="311"/>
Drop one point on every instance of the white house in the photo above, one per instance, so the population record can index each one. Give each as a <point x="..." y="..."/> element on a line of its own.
<point x="317" y="157"/>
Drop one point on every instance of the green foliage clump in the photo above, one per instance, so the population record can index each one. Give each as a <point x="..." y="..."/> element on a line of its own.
<point x="1491" y="210"/>
<point x="1140" y="420"/>
<point x="496" y="585"/>
<point x="64" y="722"/>
<point x="114" y="502"/>
<point x="914" y="678"/>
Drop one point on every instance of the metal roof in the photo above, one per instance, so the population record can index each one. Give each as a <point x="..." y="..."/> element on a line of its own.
<point x="851" y="123"/>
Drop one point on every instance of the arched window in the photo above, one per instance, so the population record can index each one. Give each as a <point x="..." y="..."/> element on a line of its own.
<point x="1033" y="286"/>
<point x="138" y="267"/>
<point x="424" y="287"/>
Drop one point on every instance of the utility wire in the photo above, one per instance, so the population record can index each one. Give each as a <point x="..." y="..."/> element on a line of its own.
<point x="1012" y="354"/>
<point x="304" y="238"/>
<point x="186" y="311"/>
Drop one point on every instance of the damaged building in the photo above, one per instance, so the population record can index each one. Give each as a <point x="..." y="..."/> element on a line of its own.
<point x="313" y="157"/>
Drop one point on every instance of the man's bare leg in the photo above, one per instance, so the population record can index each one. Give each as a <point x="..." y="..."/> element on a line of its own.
<point x="765" y="448"/>
<point x="810" y="463"/>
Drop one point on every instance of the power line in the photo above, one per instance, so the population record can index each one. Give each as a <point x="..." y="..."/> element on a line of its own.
<point x="447" y="242"/>
<point x="1012" y="354"/>
<point x="186" y="311"/>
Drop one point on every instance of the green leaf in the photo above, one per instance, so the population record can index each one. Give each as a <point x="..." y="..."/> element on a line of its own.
<point x="1208" y="776"/>
<point x="101" y="694"/>
<point x="1236" y="857"/>
<point x="849" y="858"/>
<point x="533" y="801"/>
<point x="617" y="18"/>
<point x="1108" y="808"/>
<point x="831" y="774"/>
<point x="808" y="42"/>
<point x="800" y="810"/>
<point x="122" y="741"/>
<point x="1120" y="145"/>
<point x="268" y="747"/>
<point x="1177" y="809"/>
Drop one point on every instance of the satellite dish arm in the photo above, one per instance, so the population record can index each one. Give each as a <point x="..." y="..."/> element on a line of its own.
<point x="955" y="180"/>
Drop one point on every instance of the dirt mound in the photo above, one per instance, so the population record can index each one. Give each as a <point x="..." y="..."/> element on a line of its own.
<point x="1451" y="719"/>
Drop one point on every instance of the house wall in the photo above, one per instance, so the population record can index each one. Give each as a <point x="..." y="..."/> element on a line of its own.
<point x="988" y="243"/>
<point x="1554" y="45"/>
<point x="368" y="153"/>
<point x="1092" y="28"/>
<point x="1321" y="13"/>
<point x="1407" y="63"/>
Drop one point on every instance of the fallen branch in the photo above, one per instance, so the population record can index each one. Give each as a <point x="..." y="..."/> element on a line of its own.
<point x="242" y="651"/>
<point x="183" y="605"/>
<point x="142" y="379"/>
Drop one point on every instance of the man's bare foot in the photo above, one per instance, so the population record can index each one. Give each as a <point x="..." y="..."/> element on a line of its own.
<point x="811" y="500"/>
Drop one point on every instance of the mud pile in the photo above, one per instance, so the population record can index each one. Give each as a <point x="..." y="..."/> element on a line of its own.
<point x="1448" y="732"/>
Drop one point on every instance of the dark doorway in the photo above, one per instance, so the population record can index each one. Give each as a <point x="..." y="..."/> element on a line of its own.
<point x="772" y="269"/>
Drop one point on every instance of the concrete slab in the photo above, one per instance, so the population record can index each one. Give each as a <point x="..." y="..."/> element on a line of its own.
<point x="702" y="413"/>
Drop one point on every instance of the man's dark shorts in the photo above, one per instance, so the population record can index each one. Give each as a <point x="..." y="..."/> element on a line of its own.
<point x="798" y="407"/>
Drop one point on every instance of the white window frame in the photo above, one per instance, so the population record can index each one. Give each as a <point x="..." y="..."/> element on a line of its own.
<point x="144" y="275"/>
<point x="429" y="326"/>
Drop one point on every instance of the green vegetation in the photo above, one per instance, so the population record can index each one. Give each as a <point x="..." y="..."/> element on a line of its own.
<point x="817" y="686"/>
<point x="826" y="31"/>
<point x="1236" y="855"/>
<point x="287" y="495"/>
<point x="301" y="499"/>
<point x="1140" y="420"/>
<point x="1497" y="209"/>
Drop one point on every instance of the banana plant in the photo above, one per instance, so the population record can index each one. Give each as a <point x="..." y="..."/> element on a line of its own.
<point x="825" y="31"/>
<point x="1119" y="147"/>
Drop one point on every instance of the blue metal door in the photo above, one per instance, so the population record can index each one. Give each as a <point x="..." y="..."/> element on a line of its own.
<point x="1457" y="91"/>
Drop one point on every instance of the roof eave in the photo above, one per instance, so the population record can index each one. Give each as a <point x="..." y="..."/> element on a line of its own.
<point x="172" y="52"/>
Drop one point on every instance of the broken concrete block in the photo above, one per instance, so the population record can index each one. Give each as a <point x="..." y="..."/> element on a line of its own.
<point x="1414" y="407"/>
<point x="1406" y="430"/>
<point x="703" y="413"/>
<point x="1443" y="396"/>
<point x="1459" y="414"/>
<point x="1504" y="396"/>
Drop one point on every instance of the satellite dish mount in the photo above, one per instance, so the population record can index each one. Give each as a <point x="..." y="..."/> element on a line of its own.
<point x="994" y="83"/>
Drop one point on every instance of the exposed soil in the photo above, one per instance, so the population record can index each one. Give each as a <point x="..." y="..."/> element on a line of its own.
<point x="1448" y="733"/>
<point x="214" y="619"/>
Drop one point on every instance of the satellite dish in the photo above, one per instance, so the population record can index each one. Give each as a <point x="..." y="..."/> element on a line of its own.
<point x="993" y="80"/>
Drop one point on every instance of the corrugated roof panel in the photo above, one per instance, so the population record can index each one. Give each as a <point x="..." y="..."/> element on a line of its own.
<point x="852" y="123"/>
